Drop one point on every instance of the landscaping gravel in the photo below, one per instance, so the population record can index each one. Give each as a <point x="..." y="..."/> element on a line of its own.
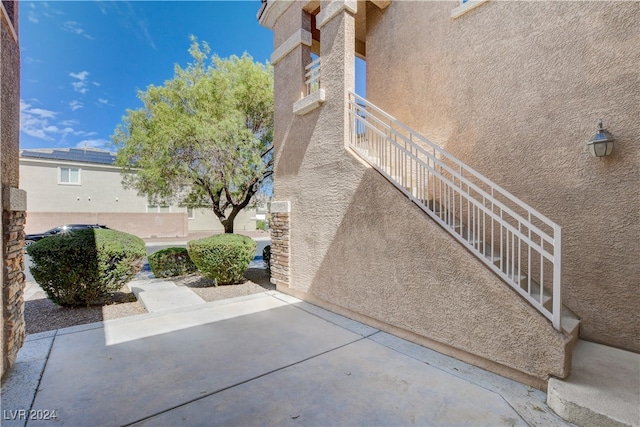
<point x="41" y="314"/>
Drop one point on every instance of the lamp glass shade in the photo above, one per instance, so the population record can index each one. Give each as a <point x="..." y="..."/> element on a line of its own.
<point x="601" y="144"/>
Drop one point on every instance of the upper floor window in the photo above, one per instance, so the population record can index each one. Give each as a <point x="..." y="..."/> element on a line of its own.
<point x="191" y="213"/>
<point x="69" y="176"/>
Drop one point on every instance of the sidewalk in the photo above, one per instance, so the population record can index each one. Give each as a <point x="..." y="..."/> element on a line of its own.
<point x="264" y="359"/>
<point x="254" y="234"/>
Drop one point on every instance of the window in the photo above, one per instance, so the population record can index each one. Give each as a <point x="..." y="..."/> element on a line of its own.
<point x="158" y="209"/>
<point x="69" y="176"/>
<point x="191" y="213"/>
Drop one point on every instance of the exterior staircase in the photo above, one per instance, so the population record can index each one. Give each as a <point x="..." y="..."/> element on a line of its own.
<point x="511" y="238"/>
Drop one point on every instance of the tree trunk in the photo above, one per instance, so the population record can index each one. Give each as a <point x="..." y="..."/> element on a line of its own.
<point x="228" y="225"/>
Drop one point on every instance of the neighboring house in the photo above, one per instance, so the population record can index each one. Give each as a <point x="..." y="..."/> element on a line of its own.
<point x="383" y="224"/>
<point x="82" y="185"/>
<point x="13" y="200"/>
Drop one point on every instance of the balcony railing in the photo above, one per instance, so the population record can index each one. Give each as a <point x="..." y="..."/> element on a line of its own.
<point x="312" y="76"/>
<point x="514" y="240"/>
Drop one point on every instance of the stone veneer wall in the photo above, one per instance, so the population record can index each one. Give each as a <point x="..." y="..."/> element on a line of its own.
<point x="280" y="256"/>
<point x="13" y="285"/>
<point x="13" y="200"/>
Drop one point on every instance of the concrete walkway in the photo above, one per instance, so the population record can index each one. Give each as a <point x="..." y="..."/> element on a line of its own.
<point x="264" y="359"/>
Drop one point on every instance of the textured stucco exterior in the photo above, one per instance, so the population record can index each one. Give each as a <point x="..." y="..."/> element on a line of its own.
<point x="513" y="90"/>
<point x="12" y="325"/>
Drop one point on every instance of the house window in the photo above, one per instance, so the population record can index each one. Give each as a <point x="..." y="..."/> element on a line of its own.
<point x="158" y="209"/>
<point x="191" y="213"/>
<point x="69" y="176"/>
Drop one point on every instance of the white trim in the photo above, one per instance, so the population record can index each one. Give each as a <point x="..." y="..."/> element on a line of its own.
<point x="299" y="37"/>
<point x="331" y="10"/>
<point x="309" y="102"/>
<point x="60" y="182"/>
<point x="466" y="7"/>
<point x="280" y="207"/>
<point x="272" y="11"/>
<point x="28" y="161"/>
<point x="5" y="15"/>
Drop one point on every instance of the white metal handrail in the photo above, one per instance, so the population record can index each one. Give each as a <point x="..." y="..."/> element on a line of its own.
<point x="312" y="76"/>
<point x="517" y="242"/>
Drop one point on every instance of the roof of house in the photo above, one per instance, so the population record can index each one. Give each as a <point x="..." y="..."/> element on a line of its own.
<point x="85" y="155"/>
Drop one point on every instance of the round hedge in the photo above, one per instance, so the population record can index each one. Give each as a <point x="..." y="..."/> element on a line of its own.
<point x="84" y="267"/>
<point x="222" y="258"/>
<point x="171" y="262"/>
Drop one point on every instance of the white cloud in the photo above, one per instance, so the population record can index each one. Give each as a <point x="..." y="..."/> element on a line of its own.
<point x="76" y="105"/>
<point x="81" y="85"/>
<point x="85" y="134"/>
<point x="76" y="28"/>
<point x="45" y="114"/>
<point x="43" y="9"/>
<point x="103" y="101"/>
<point x="93" y="143"/>
<point x="68" y="123"/>
<point x="35" y="122"/>
<point x="96" y="84"/>
<point x="82" y="75"/>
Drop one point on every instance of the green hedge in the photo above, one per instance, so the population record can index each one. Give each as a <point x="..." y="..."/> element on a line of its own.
<point x="222" y="258"/>
<point x="85" y="267"/>
<point x="171" y="262"/>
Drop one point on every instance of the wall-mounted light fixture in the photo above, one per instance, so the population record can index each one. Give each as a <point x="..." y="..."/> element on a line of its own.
<point x="601" y="143"/>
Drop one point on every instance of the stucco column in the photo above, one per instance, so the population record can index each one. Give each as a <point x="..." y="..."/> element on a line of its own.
<point x="336" y="21"/>
<point x="292" y="41"/>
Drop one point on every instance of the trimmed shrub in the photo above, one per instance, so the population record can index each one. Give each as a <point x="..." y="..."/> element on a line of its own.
<point x="261" y="225"/>
<point x="171" y="262"/>
<point x="266" y="257"/>
<point x="85" y="267"/>
<point x="222" y="258"/>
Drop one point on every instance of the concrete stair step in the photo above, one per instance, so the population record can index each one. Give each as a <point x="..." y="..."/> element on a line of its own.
<point x="602" y="389"/>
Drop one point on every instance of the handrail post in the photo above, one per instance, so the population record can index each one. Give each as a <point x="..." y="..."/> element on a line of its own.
<point x="557" y="276"/>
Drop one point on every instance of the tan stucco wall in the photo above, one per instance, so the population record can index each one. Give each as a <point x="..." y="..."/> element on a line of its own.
<point x="205" y="220"/>
<point x="357" y="244"/>
<point x="140" y="224"/>
<point x="10" y="123"/>
<point x="515" y="89"/>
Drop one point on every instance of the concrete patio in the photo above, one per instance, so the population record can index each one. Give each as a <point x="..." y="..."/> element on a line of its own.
<point x="264" y="359"/>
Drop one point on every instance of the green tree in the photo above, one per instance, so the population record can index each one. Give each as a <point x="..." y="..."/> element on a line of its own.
<point x="204" y="138"/>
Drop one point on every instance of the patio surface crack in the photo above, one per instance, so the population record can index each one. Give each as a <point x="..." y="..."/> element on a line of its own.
<point x="242" y="382"/>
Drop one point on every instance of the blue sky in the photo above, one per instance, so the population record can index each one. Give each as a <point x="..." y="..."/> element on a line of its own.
<point x="83" y="61"/>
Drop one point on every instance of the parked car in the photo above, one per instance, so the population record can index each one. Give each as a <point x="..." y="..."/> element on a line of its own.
<point x="30" y="239"/>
